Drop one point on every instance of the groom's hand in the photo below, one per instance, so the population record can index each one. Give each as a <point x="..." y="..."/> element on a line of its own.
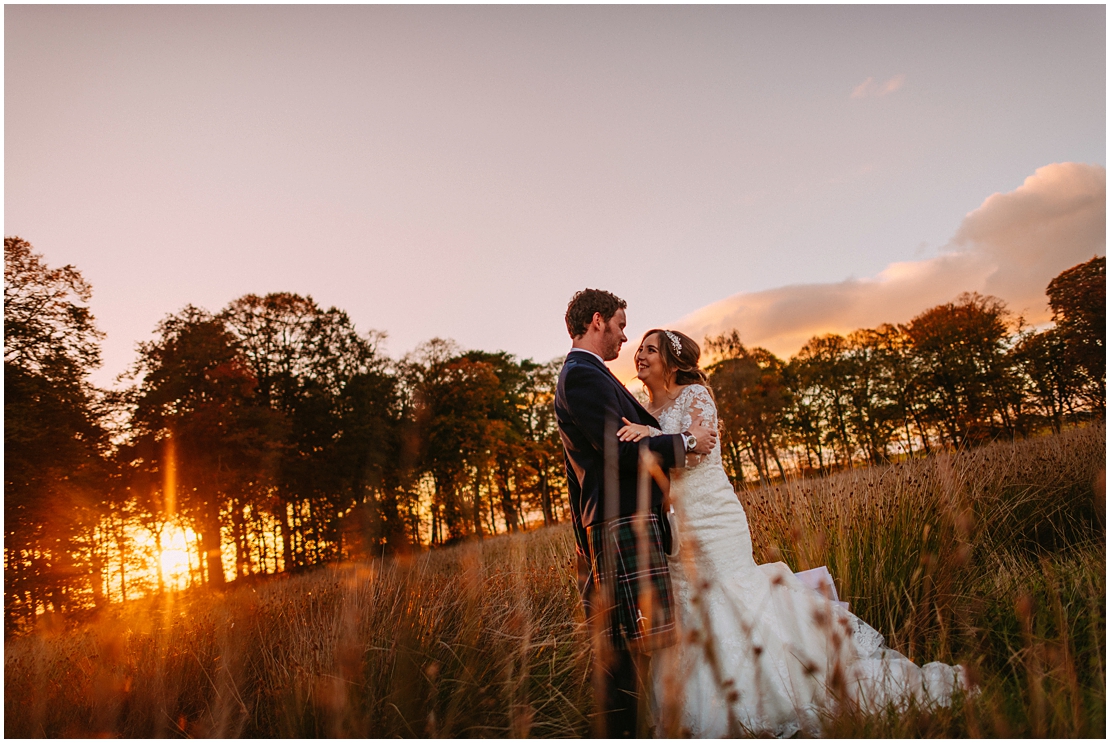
<point x="707" y="438"/>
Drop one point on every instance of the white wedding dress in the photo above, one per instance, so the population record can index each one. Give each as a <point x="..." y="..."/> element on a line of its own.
<point x="760" y="652"/>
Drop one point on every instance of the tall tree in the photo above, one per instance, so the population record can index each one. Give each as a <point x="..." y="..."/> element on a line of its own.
<point x="961" y="347"/>
<point x="545" y="448"/>
<point x="371" y="464"/>
<point x="752" y="398"/>
<point x="303" y="357"/>
<point x="804" y="424"/>
<point x="823" y="372"/>
<point x="455" y="401"/>
<point x="1078" y="300"/>
<point x="902" y="371"/>
<point x="502" y="449"/>
<point x="1052" y="380"/>
<point x="196" y="412"/>
<point x="873" y="382"/>
<point x="55" y="472"/>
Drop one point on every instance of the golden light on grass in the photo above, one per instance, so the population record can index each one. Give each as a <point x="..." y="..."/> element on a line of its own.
<point x="993" y="557"/>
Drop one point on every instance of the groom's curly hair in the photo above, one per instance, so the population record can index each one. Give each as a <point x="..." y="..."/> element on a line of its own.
<point x="585" y="303"/>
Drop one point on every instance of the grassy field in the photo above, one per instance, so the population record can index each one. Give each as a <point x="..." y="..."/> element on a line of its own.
<point x="994" y="558"/>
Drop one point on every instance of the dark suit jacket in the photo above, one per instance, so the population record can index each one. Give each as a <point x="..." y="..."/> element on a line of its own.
<point x="589" y="404"/>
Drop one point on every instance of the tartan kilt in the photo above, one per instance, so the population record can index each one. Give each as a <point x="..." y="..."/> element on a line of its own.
<point x="628" y="590"/>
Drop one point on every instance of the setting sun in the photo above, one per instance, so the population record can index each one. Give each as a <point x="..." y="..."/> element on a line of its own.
<point x="175" y="565"/>
<point x="173" y="559"/>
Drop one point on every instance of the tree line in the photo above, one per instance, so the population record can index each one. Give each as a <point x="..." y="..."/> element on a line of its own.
<point x="957" y="375"/>
<point x="281" y="437"/>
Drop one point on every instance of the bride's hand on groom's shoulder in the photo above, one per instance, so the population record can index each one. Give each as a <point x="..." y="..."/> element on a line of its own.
<point x="633" y="431"/>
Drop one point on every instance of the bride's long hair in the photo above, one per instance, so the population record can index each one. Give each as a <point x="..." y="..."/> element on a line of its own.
<point x="684" y="361"/>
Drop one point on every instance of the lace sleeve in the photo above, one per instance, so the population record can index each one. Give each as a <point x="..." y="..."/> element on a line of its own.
<point x="702" y="407"/>
<point x="697" y="407"/>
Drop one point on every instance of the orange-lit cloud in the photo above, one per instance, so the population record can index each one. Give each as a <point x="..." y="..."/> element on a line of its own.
<point x="870" y="88"/>
<point x="1011" y="247"/>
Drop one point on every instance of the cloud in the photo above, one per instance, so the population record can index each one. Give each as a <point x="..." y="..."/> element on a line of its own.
<point x="893" y="84"/>
<point x="1011" y="247"/>
<point x="869" y="88"/>
<point x="861" y="90"/>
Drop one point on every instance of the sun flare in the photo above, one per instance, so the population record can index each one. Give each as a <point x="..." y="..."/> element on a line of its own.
<point x="172" y="560"/>
<point x="175" y="563"/>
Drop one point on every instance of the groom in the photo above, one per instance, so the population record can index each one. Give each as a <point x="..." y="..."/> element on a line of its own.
<point x="622" y="564"/>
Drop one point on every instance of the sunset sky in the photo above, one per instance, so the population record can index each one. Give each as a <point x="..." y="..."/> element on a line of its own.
<point x="461" y="171"/>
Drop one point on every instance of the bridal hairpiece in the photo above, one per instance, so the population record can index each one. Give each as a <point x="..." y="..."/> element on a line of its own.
<point x="676" y="344"/>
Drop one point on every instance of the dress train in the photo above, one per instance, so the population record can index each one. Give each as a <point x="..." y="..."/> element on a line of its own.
<point x="763" y="651"/>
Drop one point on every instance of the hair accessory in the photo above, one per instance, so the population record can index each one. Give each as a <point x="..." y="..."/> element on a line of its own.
<point x="676" y="344"/>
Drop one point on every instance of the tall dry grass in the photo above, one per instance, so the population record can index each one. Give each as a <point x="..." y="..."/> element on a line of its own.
<point x="994" y="558"/>
<point x="477" y="640"/>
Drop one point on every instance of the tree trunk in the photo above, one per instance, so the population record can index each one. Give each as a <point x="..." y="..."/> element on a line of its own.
<point x="477" y="506"/>
<point x="755" y="461"/>
<point x="909" y="438"/>
<point x="259" y="544"/>
<point x="123" y="552"/>
<point x="842" y="431"/>
<point x="492" y="511"/>
<point x="239" y="534"/>
<point x="507" y="507"/>
<point x="158" y="548"/>
<point x="921" y="431"/>
<point x="202" y="572"/>
<point x="213" y="553"/>
<point x="734" y="460"/>
<point x="286" y="522"/>
<point x="775" y="455"/>
<point x="545" y="496"/>
<point x="519" y="500"/>
<point x="99" y="599"/>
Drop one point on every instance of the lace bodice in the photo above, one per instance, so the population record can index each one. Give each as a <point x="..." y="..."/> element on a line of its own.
<point x="694" y="403"/>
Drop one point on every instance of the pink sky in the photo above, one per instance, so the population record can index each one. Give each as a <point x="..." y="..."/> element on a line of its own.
<point x="461" y="171"/>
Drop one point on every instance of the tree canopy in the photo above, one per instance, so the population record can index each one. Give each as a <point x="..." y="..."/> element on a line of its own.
<point x="56" y="475"/>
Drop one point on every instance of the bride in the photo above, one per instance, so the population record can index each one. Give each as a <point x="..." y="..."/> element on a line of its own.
<point x="762" y="651"/>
